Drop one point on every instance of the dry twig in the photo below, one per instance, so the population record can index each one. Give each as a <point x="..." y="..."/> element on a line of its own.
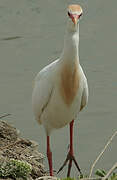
<point x="110" y="171"/>
<point x="103" y="150"/>
<point x="4" y="116"/>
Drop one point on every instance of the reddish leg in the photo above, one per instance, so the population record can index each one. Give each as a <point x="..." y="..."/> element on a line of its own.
<point x="70" y="156"/>
<point x="49" y="156"/>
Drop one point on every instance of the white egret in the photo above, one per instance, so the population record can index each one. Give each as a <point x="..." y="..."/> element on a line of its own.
<point x="61" y="90"/>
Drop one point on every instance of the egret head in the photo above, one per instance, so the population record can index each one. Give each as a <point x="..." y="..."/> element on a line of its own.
<point x="74" y="14"/>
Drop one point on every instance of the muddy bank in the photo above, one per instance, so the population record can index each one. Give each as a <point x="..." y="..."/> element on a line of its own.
<point x="12" y="146"/>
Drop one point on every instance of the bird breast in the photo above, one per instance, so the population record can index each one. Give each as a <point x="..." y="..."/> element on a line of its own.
<point x="69" y="82"/>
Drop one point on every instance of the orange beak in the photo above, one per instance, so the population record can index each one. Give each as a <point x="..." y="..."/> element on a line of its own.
<point x="75" y="18"/>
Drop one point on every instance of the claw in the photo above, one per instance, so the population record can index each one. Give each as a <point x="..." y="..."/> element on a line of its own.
<point x="70" y="158"/>
<point x="77" y="166"/>
<point x="69" y="168"/>
<point x="64" y="164"/>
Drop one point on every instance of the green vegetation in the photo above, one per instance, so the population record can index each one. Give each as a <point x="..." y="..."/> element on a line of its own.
<point x="68" y="178"/>
<point x="14" y="169"/>
<point x="100" y="173"/>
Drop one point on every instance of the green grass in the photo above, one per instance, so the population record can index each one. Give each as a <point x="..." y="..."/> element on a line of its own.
<point x="21" y="169"/>
<point x="102" y="173"/>
<point x="99" y="173"/>
<point x="14" y="169"/>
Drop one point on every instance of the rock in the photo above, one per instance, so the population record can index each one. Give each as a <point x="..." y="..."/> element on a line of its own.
<point x="14" y="147"/>
<point x="8" y="133"/>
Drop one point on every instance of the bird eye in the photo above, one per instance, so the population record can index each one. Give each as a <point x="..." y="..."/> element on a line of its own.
<point x="80" y="15"/>
<point x="68" y="14"/>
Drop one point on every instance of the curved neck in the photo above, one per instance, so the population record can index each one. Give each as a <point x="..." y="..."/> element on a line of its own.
<point x="71" y="46"/>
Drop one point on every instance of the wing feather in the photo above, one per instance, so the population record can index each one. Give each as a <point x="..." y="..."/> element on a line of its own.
<point x="84" y="99"/>
<point x="42" y="93"/>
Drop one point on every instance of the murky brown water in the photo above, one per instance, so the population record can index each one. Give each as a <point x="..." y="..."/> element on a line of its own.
<point x="31" y="36"/>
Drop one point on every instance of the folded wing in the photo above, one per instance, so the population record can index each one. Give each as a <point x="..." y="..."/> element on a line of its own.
<point x="42" y="93"/>
<point x="84" y="99"/>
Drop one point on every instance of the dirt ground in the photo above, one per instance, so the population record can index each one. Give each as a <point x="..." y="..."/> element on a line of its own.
<point x="12" y="146"/>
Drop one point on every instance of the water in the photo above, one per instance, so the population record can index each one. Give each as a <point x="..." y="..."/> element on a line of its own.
<point x="31" y="36"/>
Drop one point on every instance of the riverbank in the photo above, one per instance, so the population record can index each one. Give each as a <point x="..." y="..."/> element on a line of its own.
<point x="20" y="158"/>
<point x="16" y="152"/>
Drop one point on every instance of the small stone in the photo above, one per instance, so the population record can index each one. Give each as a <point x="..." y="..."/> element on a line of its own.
<point x="47" y="178"/>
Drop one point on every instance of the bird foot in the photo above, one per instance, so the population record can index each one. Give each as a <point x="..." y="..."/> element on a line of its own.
<point x="70" y="158"/>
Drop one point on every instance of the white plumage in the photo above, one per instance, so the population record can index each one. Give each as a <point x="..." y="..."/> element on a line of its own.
<point x="60" y="89"/>
<point x="48" y="105"/>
